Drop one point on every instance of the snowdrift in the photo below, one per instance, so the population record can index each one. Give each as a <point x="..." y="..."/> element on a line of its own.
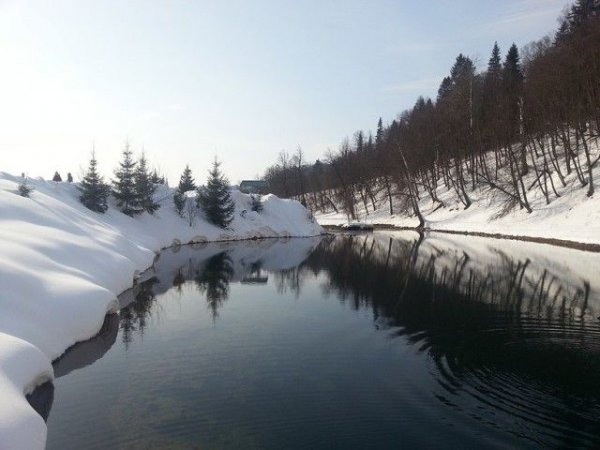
<point x="63" y="266"/>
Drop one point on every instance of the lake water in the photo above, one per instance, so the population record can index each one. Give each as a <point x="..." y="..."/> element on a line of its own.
<point x="387" y="340"/>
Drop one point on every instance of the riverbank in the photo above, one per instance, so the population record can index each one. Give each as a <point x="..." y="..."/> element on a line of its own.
<point x="555" y="242"/>
<point x="572" y="220"/>
<point x="64" y="265"/>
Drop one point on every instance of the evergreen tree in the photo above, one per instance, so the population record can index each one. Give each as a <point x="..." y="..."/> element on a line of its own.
<point x="69" y="177"/>
<point x="562" y="33"/>
<point x="186" y="182"/>
<point x="93" y="190"/>
<point x="24" y="188"/>
<point x="492" y="87"/>
<point x="155" y="178"/>
<point x="144" y="187"/>
<point x="124" y="189"/>
<point x="255" y="203"/>
<point x="56" y="176"/>
<point x="494" y="70"/>
<point x="512" y="80"/>
<point x="379" y="135"/>
<point x="179" y="200"/>
<point x="582" y="11"/>
<point x="359" y="139"/>
<point x="444" y="89"/>
<point x="215" y="200"/>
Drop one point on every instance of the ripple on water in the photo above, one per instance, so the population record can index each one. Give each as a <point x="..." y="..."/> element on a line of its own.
<point x="536" y="379"/>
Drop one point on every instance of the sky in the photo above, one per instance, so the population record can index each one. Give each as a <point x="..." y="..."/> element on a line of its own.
<point x="185" y="81"/>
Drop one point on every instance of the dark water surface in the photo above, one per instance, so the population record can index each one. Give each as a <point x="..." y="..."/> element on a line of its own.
<point x="366" y="341"/>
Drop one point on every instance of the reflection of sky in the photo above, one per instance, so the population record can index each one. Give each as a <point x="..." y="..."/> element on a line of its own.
<point x="186" y="80"/>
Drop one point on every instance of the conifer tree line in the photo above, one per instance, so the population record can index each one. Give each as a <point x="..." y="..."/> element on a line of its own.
<point x="524" y="124"/>
<point x="134" y="187"/>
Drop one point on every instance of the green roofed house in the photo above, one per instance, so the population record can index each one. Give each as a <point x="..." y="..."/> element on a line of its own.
<point x="254" y="187"/>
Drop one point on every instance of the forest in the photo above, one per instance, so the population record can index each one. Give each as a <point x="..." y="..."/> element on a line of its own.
<point x="528" y="122"/>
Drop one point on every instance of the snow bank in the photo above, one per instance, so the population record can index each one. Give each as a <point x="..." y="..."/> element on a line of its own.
<point x="63" y="266"/>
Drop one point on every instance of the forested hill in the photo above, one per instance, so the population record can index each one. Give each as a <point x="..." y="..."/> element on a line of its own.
<point x="526" y="127"/>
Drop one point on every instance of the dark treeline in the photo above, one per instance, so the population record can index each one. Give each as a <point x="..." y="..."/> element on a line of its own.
<point x="524" y="124"/>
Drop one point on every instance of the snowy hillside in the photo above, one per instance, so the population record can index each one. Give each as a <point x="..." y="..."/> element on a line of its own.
<point x="64" y="265"/>
<point x="567" y="215"/>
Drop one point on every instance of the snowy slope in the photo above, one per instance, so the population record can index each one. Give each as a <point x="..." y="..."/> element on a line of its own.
<point x="573" y="216"/>
<point x="62" y="267"/>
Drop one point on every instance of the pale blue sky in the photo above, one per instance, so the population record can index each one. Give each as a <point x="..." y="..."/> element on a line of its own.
<point x="241" y="79"/>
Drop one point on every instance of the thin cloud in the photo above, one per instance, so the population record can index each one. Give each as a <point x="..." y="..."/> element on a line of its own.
<point x="421" y="86"/>
<point x="523" y="15"/>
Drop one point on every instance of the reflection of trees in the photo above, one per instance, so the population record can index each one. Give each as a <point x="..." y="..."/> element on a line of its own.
<point x="510" y="335"/>
<point x="255" y="274"/>
<point x="134" y="317"/>
<point x="213" y="280"/>
<point x="290" y="279"/>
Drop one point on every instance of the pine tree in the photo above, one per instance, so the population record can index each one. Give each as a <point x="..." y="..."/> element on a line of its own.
<point x="379" y="135"/>
<point x="512" y="80"/>
<point x="144" y="187"/>
<point x="93" y="191"/>
<point x="186" y="182"/>
<point x="444" y="89"/>
<point x="582" y="11"/>
<point x="24" y="188"/>
<point x="155" y="178"/>
<point x="69" y="177"/>
<point x="255" y="203"/>
<point x="494" y="70"/>
<point x="57" y="177"/>
<point x="124" y="189"/>
<point x="179" y="200"/>
<point x="492" y="86"/>
<point x="215" y="200"/>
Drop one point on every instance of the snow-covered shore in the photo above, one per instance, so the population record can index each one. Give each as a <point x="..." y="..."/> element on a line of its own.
<point x="572" y="217"/>
<point x="63" y="266"/>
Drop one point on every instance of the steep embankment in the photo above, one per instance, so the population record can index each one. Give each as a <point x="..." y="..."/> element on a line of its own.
<point x="571" y="216"/>
<point x="62" y="267"/>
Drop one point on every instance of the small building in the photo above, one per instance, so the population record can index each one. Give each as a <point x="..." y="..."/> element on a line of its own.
<point x="254" y="187"/>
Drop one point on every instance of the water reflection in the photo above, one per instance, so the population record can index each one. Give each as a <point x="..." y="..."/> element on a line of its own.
<point x="513" y="343"/>
<point x="212" y="280"/>
<point x="508" y="333"/>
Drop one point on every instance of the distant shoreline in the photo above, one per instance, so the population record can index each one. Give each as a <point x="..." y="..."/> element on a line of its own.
<point x="586" y="247"/>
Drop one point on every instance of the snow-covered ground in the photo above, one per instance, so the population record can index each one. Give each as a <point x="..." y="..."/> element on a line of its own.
<point x="572" y="217"/>
<point x="63" y="266"/>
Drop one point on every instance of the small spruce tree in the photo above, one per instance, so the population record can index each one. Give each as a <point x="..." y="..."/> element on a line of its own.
<point x="69" y="177"/>
<point x="24" y="188"/>
<point x="179" y="200"/>
<point x="124" y="186"/>
<point x="93" y="190"/>
<point x="186" y="182"/>
<point x="255" y="203"/>
<point x="56" y="176"/>
<point x="144" y="187"/>
<point x="215" y="200"/>
<point x="156" y="178"/>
